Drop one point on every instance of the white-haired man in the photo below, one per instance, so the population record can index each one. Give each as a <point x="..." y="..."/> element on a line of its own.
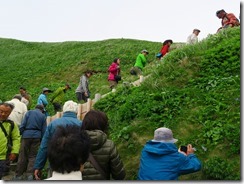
<point x="69" y="117"/>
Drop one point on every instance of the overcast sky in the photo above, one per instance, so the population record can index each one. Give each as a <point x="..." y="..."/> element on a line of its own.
<point x="92" y="20"/>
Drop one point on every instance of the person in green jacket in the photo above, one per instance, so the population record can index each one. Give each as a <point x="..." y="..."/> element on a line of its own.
<point x="141" y="61"/>
<point x="57" y="98"/>
<point x="9" y="132"/>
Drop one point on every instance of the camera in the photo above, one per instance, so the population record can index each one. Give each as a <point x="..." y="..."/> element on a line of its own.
<point x="183" y="148"/>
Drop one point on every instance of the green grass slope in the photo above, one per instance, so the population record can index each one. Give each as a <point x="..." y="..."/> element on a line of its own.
<point x="38" y="65"/>
<point x="194" y="90"/>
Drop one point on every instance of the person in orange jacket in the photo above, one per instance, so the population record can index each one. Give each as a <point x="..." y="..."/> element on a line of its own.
<point x="165" y="49"/>
<point x="228" y="19"/>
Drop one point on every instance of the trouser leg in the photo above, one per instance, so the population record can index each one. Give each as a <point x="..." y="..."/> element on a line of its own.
<point x="4" y="168"/>
<point x="23" y="156"/>
<point x="32" y="155"/>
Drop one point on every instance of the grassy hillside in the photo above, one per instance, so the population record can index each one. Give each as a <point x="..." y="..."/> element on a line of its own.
<point x="38" y="65"/>
<point x="194" y="90"/>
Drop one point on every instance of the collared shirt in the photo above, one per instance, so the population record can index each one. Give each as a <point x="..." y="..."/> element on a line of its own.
<point x="18" y="112"/>
<point x="192" y="38"/>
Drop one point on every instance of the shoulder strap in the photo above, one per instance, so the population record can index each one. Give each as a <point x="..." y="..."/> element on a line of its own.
<point x="9" y="138"/>
<point x="3" y="129"/>
<point x="96" y="165"/>
<point x="11" y="123"/>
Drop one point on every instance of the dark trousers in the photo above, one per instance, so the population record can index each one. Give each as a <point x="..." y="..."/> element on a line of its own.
<point x="81" y="96"/>
<point x="57" y="107"/>
<point x="27" y="156"/>
<point x="4" y="168"/>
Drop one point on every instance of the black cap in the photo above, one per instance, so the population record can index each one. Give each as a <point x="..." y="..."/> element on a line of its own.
<point x="219" y="11"/>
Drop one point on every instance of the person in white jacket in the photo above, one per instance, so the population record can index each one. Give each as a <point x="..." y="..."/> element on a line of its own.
<point x="19" y="110"/>
<point x="193" y="38"/>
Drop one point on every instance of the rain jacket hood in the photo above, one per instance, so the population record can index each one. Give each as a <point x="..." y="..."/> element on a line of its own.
<point x="162" y="161"/>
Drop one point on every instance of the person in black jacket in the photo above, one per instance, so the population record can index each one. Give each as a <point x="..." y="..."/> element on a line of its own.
<point x="103" y="150"/>
<point x="68" y="150"/>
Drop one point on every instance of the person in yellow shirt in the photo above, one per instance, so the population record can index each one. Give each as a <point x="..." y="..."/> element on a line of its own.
<point x="57" y="98"/>
<point x="9" y="139"/>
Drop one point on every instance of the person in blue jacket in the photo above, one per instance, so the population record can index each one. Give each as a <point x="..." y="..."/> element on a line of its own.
<point x="32" y="129"/>
<point x="42" y="99"/>
<point x="69" y="117"/>
<point x="162" y="160"/>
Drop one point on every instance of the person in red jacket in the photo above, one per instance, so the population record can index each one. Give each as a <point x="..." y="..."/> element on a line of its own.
<point x="228" y="19"/>
<point x="114" y="69"/>
<point x="165" y="49"/>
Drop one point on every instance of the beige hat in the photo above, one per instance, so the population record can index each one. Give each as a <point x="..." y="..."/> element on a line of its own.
<point x="46" y="89"/>
<point x="164" y="135"/>
<point x="144" y="51"/>
<point x="70" y="106"/>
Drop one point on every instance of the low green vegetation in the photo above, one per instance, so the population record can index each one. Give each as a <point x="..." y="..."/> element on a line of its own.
<point x="194" y="90"/>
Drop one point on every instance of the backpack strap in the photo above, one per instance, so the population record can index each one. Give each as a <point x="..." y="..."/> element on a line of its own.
<point x="4" y="131"/>
<point x="96" y="165"/>
<point x="8" y="137"/>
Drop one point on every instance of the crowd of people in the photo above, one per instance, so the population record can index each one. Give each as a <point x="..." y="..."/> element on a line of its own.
<point x="80" y="149"/>
<point x="75" y="149"/>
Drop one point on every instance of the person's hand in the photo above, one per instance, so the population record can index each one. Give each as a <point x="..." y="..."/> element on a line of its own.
<point x="219" y="29"/>
<point x="37" y="174"/>
<point x="190" y="150"/>
<point x="118" y="67"/>
<point x="12" y="156"/>
<point x="86" y="94"/>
